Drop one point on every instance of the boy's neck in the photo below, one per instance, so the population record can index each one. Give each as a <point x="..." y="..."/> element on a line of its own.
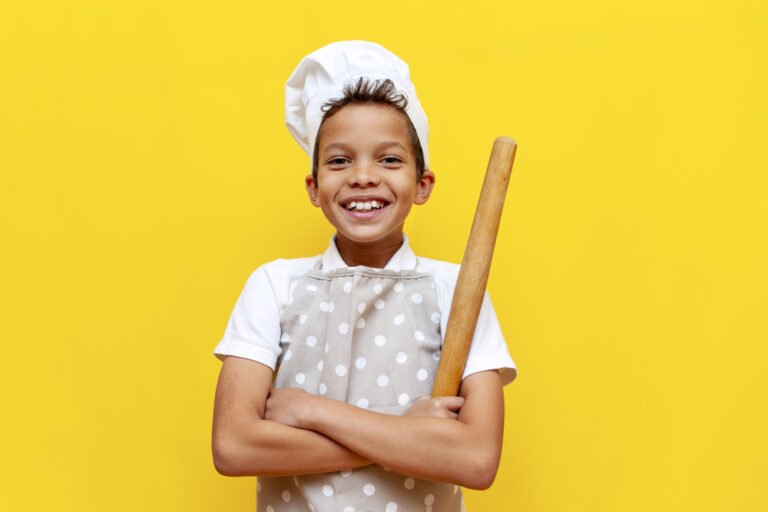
<point x="374" y="255"/>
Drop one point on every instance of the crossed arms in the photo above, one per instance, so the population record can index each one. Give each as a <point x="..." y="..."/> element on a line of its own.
<point x="274" y="432"/>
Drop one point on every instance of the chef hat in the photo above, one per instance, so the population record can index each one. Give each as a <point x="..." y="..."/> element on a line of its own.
<point x="322" y="75"/>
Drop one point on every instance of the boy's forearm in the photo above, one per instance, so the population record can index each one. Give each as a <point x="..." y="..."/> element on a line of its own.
<point x="267" y="448"/>
<point x="425" y="447"/>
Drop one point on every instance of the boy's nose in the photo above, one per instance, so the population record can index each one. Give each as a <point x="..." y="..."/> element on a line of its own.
<point x="364" y="175"/>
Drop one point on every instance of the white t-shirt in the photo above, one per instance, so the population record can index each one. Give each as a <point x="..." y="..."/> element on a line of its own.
<point x="253" y="331"/>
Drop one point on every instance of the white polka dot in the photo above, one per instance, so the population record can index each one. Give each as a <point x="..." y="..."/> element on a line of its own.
<point x="377" y="289"/>
<point x="360" y="323"/>
<point x="322" y="388"/>
<point x="399" y="319"/>
<point x="380" y="340"/>
<point x="419" y="335"/>
<point x="401" y="357"/>
<point x="345" y="472"/>
<point x="360" y="363"/>
<point x="311" y="341"/>
<point x="270" y="509"/>
<point x="328" y="490"/>
<point x="327" y="307"/>
<point x="285" y="337"/>
<point x="286" y="496"/>
<point x="399" y="287"/>
<point x="436" y="356"/>
<point x="343" y="328"/>
<point x="455" y="489"/>
<point x="320" y="365"/>
<point x="379" y="304"/>
<point x="349" y="509"/>
<point x="288" y="355"/>
<point x="327" y="348"/>
<point x="435" y="317"/>
<point x="409" y="483"/>
<point x="311" y="288"/>
<point x="341" y="370"/>
<point x="300" y="378"/>
<point x="391" y="507"/>
<point x="362" y="403"/>
<point x="347" y="287"/>
<point x="422" y="374"/>
<point x="361" y="307"/>
<point x="429" y="499"/>
<point x="417" y="298"/>
<point x="403" y="399"/>
<point x="302" y="319"/>
<point x="311" y="507"/>
<point x="369" y="489"/>
<point x="382" y="381"/>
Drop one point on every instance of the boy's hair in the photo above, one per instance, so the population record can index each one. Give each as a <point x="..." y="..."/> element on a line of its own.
<point x="377" y="91"/>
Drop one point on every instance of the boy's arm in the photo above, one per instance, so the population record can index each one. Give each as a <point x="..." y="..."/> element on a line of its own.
<point x="244" y="443"/>
<point x="464" y="452"/>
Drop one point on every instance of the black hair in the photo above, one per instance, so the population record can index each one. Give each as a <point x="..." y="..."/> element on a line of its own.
<point x="366" y="91"/>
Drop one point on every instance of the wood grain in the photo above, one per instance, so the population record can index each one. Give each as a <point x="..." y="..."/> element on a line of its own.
<point x="475" y="266"/>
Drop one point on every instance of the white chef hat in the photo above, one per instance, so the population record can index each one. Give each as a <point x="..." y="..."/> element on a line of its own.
<point x="322" y="75"/>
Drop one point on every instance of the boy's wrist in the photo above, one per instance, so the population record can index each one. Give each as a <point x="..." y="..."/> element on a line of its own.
<point x="310" y="411"/>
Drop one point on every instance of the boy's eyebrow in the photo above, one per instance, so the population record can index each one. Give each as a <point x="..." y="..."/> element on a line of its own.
<point x="389" y="144"/>
<point x="335" y="145"/>
<point x="383" y="145"/>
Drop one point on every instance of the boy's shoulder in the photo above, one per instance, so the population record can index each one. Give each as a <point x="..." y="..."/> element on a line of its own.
<point x="439" y="268"/>
<point x="288" y="267"/>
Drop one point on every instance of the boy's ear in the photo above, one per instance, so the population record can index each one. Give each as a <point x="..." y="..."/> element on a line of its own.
<point x="424" y="187"/>
<point x="314" y="194"/>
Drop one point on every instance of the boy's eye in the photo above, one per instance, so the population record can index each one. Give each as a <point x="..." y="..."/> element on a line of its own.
<point x="391" y="160"/>
<point x="338" y="160"/>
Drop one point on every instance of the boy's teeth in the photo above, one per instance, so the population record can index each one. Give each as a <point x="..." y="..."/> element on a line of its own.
<point x="365" y="205"/>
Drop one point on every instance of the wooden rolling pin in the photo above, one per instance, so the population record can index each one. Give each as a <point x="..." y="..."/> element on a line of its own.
<point x="473" y="275"/>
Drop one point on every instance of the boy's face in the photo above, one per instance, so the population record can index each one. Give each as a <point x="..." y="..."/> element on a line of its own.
<point x="365" y="158"/>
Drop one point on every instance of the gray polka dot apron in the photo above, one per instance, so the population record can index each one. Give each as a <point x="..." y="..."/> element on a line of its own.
<point x="370" y="338"/>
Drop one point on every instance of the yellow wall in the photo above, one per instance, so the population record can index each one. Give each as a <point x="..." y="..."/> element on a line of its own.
<point x="146" y="172"/>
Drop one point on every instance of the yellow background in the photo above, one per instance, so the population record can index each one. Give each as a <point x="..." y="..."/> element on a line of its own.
<point x="146" y="172"/>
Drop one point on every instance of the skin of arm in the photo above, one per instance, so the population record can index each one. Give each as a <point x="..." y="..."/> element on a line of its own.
<point x="425" y="442"/>
<point x="245" y="444"/>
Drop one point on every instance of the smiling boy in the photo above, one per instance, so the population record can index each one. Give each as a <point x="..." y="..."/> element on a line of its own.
<point x="329" y="361"/>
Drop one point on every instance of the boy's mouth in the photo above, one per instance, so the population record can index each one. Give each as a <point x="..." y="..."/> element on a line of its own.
<point x="365" y="206"/>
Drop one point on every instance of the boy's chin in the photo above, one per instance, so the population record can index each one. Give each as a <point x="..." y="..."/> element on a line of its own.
<point x="369" y="239"/>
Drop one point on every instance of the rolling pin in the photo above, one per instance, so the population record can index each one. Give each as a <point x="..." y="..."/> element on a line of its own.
<point x="475" y="266"/>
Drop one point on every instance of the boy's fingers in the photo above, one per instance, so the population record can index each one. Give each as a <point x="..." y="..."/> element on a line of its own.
<point x="452" y="403"/>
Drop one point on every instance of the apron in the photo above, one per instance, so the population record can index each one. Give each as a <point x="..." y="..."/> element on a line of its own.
<point x="370" y="338"/>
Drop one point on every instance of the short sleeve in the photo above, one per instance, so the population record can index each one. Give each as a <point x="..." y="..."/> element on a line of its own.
<point x="253" y="330"/>
<point x="489" y="349"/>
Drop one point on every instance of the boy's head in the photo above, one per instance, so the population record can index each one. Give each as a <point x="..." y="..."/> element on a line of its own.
<point x="380" y="92"/>
<point x="352" y="107"/>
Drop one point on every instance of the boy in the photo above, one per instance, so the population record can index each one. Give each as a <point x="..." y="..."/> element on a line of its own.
<point x="329" y="361"/>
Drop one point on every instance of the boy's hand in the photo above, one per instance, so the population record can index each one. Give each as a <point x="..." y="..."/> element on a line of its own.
<point x="440" y="407"/>
<point x="289" y="406"/>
